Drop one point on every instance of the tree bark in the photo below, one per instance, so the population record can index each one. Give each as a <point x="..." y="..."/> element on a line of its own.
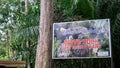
<point x="26" y="7"/>
<point x="43" y="48"/>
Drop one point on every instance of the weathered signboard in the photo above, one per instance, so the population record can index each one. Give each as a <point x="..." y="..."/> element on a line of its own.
<point x="81" y="39"/>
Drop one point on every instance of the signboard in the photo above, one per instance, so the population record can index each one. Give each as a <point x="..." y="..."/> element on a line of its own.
<point x="81" y="39"/>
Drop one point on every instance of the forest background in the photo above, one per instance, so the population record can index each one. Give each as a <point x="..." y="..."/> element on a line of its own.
<point x="19" y="29"/>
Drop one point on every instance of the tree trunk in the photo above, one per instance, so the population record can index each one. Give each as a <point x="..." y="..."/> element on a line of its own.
<point x="43" y="49"/>
<point x="26" y="7"/>
<point x="20" y="5"/>
<point x="28" y="66"/>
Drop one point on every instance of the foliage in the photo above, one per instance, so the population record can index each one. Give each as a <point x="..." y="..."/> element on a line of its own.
<point x="82" y="63"/>
<point x="26" y="34"/>
<point x="23" y="28"/>
<point x="91" y="9"/>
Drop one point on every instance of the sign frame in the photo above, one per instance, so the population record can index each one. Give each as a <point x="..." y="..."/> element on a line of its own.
<point x="109" y="39"/>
